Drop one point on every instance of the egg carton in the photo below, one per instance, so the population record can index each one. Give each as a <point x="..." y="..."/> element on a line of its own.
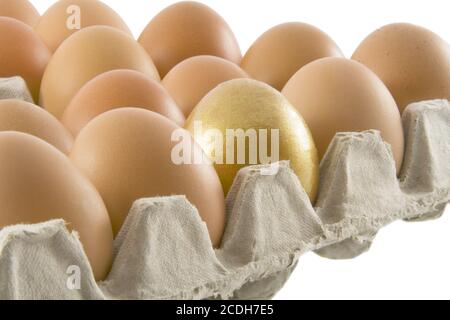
<point x="163" y="250"/>
<point x="14" y="88"/>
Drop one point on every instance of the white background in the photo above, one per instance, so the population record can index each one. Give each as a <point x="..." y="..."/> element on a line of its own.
<point x="407" y="260"/>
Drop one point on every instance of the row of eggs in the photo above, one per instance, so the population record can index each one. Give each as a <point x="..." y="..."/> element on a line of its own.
<point x="85" y="80"/>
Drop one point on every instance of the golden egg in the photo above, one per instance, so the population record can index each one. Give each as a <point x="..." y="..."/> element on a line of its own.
<point x="22" y="53"/>
<point x="187" y="29"/>
<point x="244" y="122"/>
<point x="66" y="17"/>
<point x="83" y="56"/>
<point x="117" y="89"/>
<point x="17" y="115"/>
<point x="190" y="80"/>
<point x="38" y="183"/>
<point x="21" y="10"/>
<point x="413" y="62"/>
<point x="340" y="95"/>
<point x="280" y="52"/>
<point x="128" y="154"/>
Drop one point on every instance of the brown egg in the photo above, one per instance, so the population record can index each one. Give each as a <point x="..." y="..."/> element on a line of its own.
<point x="86" y="54"/>
<point x="190" y="80"/>
<point x="187" y="29"/>
<point x="66" y="17"/>
<point x="17" y="115"/>
<point x="413" y="63"/>
<point x="339" y="95"/>
<point x="127" y="154"/>
<point x="22" y="53"/>
<point x="21" y="10"/>
<point x="117" y="89"/>
<point x="38" y="183"/>
<point x="280" y="52"/>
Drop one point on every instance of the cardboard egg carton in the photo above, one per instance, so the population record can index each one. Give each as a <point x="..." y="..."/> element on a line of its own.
<point x="163" y="250"/>
<point x="14" y="88"/>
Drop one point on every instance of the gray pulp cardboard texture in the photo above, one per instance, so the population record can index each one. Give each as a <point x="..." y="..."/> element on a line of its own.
<point x="14" y="88"/>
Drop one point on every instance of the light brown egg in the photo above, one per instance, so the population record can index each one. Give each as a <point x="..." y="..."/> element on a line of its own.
<point x="413" y="62"/>
<point x="21" y="10"/>
<point x="280" y="52"/>
<point x="38" y="183"/>
<point x="22" y="53"/>
<point x="66" y="17"/>
<point x="260" y="113"/>
<point x="117" y="89"/>
<point x="190" y="80"/>
<point x="340" y="95"/>
<point x="187" y="29"/>
<point x="17" y="115"/>
<point x="127" y="154"/>
<point x="86" y="54"/>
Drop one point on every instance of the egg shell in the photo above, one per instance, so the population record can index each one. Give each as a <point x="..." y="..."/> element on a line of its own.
<point x="339" y="95"/>
<point x="117" y="89"/>
<point x="187" y="29"/>
<point x="60" y="21"/>
<point x="190" y="80"/>
<point x="83" y="56"/>
<point x="127" y="154"/>
<point x="281" y="51"/>
<point x="22" y="53"/>
<point x="21" y="10"/>
<point x="412" y="61"/>
<point x="246" y="104"/>
<point x="18" y="115"/>
<point x="38" y="183"/>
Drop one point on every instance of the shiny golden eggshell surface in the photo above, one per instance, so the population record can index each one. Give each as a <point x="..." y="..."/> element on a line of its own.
<point x="281" y="51"/>
<point x="60" y="21"/>
<point x="413" y="62"/>
<point x="21" y="10"/>
<point x="83" y="56"/>
<point x="38" y="183"/>
<point x="22" y="53"/>
<point x="18" y="115"/>
<point x="339" y="95"/>
<point x="190" y="80"/>
<point x="187" y="29"/>
<point x="117" y="89"/>
<point x="245" y="104"/>
<point x="127" y="154"/>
